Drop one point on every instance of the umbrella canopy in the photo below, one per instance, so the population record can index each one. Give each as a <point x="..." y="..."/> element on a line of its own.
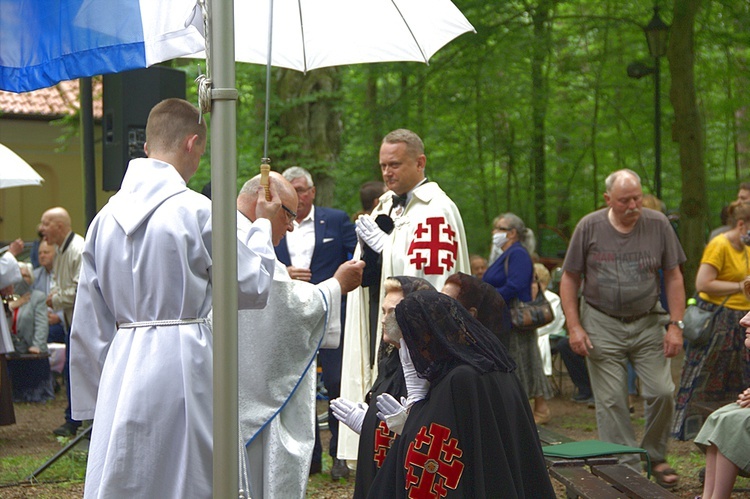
<point x="310" y="34"/>
<point x="15" y="172"/>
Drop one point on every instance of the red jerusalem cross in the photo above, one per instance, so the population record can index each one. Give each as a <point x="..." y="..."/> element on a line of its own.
<point x="383" y="440"/>
<point x="440" y="468"/>
<point x="427" y="248"/>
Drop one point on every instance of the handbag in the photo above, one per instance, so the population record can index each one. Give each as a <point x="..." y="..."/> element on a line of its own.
<point x="699" y="323"/>
<point x="529" y="315"/>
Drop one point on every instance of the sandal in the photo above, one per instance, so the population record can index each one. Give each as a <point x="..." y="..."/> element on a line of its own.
<point x="660" y="474"/>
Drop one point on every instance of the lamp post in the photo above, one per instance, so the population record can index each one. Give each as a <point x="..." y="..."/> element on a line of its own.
<point x="657" y="37"/>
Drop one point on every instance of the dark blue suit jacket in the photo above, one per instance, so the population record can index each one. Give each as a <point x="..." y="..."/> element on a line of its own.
<point x="335" y="240"/>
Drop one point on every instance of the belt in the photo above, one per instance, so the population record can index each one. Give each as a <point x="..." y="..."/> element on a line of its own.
<point x="166" y="322"/>
<point x="626" y="320"/>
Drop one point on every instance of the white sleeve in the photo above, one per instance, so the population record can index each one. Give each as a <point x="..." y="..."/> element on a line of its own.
<point x="9" y="271"/>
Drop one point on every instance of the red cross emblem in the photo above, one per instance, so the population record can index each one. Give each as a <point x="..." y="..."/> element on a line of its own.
<point x="433" y="247"/>
<point x="383" y="440"/>
<point x="430" y="473"/>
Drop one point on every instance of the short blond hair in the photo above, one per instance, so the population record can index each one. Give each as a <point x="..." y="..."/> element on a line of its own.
<point x="542" y="274"/>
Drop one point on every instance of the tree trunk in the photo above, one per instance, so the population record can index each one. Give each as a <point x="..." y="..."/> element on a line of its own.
<point x="687" y="132"/>
<point x="310" y="115"/>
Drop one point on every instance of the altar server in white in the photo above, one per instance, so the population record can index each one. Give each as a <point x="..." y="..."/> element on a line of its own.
<point x="141" y="359"/>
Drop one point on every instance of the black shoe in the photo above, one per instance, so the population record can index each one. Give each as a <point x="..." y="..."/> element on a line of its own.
<point x="583" y="399"/>
<point x="66" y="430"/>
<point x="315" y="467"/>
<point x="339" y="470"/>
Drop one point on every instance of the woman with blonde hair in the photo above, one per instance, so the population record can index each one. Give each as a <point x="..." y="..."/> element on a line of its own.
<point x="719" y="369"/>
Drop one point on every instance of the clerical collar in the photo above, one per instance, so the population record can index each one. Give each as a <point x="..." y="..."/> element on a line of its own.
<point x="68" y="239"/>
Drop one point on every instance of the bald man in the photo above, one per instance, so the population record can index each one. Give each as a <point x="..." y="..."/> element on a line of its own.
<point x="56" y="230"/>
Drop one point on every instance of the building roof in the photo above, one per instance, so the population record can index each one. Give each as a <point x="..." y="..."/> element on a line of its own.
<point x="48" y="103"/>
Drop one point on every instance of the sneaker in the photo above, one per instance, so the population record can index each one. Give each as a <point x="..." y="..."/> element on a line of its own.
<point x="583" y="399"/>
<point x="339" y="470"/>
<point x="66" y="430"/>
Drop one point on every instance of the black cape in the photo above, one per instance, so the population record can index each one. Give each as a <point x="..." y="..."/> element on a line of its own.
<point x="376" y="439"/>
<point x="473" y="436"/>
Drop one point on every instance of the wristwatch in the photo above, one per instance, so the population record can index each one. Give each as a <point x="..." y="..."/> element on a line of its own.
<point x="679" y="324"/>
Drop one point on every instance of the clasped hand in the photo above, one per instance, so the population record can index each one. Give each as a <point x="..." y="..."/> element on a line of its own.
<point x="349" y="413"/>
<point x="369" y="233"/>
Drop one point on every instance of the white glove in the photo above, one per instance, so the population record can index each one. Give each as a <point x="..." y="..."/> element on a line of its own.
<point x="369" y="232"/>
<point x="416" y="387"/>
<point x="392" y="412"/>
<point x="349" y="413"/>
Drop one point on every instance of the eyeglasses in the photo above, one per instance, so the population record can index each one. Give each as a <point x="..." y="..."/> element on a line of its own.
<point x="291" y="215"/>
<point x="303" y="190"/>
<point x="506" y="229"/>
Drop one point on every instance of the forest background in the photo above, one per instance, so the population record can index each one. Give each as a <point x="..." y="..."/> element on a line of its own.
<point x="528" y="115"/>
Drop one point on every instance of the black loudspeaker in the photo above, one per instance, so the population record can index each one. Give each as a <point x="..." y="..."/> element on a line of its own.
<point x="128" y="98"/>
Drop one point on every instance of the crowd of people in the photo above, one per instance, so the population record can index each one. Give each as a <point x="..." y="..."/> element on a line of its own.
<point x="438" y="392"/>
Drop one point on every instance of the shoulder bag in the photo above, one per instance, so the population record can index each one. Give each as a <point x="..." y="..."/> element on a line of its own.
<point x="699" y="323"/>
<point x="528" y="316"/>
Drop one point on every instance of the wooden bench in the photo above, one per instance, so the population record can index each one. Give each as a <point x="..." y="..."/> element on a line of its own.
<point x="597" y="477"/>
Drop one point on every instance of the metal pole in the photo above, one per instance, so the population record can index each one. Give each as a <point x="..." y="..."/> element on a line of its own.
<point x="657" y="126"/>
<point x="224" y="219"/>
<point x="87" y="148"/>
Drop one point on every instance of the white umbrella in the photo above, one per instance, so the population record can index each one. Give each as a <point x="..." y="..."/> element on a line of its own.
<point x="15" y="172"/>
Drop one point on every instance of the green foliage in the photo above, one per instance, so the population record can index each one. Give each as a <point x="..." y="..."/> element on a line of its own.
<point x="473" y="106"/>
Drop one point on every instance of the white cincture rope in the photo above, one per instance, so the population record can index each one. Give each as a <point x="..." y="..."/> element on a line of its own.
<point x="166" y="322"/>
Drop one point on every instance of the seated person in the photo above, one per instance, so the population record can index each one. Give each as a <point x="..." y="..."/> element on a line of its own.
<point x="474" y="419"/>
<point x="725" y="438"/>
<point x="43" y="281"/>
<point x="31" y="378"/>
<point x="543" y="277"/>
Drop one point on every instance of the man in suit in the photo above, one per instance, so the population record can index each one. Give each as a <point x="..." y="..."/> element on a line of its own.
<point x="323" y="239"/>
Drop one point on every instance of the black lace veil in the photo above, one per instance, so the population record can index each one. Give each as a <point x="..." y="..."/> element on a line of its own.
<point x="440" y="334"/>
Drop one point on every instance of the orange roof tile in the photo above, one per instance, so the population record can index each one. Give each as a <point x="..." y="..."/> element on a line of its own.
<point x="51" y="102"/>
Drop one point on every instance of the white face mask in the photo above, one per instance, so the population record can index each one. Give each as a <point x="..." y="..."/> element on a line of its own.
<point x="499" y="239"/>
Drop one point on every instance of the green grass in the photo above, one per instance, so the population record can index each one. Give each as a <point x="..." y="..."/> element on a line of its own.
<point x="69" y="468"/>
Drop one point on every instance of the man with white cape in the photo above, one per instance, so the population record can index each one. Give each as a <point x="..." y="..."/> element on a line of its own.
<point x="277" y="348"/>
<point x="415" y="230"/>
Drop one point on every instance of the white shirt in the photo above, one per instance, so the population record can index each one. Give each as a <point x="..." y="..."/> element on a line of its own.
<point x="301" y="241"/>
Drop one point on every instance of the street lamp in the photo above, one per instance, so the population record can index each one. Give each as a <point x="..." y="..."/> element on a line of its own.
<point x="657" y="37"/>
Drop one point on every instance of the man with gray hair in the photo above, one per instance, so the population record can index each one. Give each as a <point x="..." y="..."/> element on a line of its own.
<point x="323" y="239"/>
<point x="415" y="230"/>
<point x="617" y="253"/>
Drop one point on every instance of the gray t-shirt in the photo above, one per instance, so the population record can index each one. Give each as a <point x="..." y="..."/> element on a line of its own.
<point x="621" y="271"/>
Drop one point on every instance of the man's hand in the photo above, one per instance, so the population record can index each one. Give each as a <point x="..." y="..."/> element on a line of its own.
<point x="349" y="275"/>
<point x="299" y="273"/>
<point x="369" y="232"/>
<point x="579" y="340"/>
<point x="16" y="247"/>
<point x="392" y="412"/>
<point x="349" y="413"/>
<point x="267" y="209"/>
<point x="672" y="341"/>
<point x="53" y="318"/>
<point x="49" y="300"/>
<point x="744" y="398"/>
<point x="34" y="350"/>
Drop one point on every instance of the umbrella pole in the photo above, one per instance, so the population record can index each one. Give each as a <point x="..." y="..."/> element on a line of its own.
<point x="224" y="237"/>
<point x="265" y="162"/>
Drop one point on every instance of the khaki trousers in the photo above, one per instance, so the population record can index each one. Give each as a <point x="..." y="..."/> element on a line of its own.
<point x="641" y="342"/>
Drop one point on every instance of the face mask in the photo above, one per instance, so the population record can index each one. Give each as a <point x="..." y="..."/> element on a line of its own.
<point x="499" y="239"/>
<point x="745" y="238"/>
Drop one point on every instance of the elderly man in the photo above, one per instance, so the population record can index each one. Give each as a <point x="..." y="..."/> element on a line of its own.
<point x="323" y="239"/>
<point x="43" y="281"/>
<point x="618" y="252"/>
<point x="141" y="346"/>
<point x="277" y="371"/>
<point x="56" y="230"/>
<point x="415" y="230"/>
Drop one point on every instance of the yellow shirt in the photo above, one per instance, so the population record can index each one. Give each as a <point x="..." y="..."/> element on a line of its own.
<point x="732" y="265"/>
